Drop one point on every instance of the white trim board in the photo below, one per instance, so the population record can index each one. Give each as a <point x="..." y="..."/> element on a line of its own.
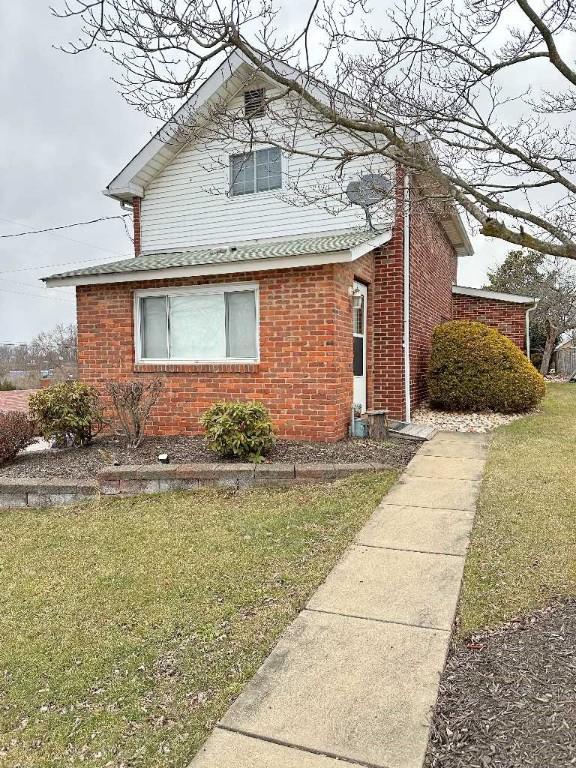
<point x="461" y="290"/>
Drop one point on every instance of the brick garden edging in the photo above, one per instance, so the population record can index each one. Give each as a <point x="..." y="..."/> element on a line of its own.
<point x="155" y="478"/>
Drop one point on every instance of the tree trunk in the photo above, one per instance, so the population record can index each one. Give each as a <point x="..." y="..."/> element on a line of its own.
<point x="551" y="335"/>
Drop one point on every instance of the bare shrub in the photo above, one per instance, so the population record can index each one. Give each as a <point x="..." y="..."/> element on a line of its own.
<point x="16" y="432"/>
<point x="132" y="402"/>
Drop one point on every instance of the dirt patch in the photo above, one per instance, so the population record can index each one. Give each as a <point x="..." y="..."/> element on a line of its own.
<point x="85" y="462"/>
<point x="508" y="697"/>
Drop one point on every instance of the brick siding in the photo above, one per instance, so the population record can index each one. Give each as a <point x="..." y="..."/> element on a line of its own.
<point x="508" y="318"/>
<point x="387" y="331"/>
<point x="136" y="221"/>
<point x="433" y="267"/>
<point x="305" y="373"/>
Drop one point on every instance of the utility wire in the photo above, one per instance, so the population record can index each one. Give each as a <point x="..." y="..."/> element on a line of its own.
<point x="38" y="295"/>
<point x="26" y="285"/>
<point x="50" y="233"/>
<point x="66" y="226"/>
<point x="58" y="264"/>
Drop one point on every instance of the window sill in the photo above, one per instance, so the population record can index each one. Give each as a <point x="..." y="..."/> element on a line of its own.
<point x="196" y="367"/>
<point x="257" y="193"/>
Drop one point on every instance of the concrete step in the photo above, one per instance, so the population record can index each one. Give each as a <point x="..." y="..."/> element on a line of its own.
<point x="420" y="432"/>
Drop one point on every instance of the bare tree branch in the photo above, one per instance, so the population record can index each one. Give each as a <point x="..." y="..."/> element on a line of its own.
<point x="426" y="84"/>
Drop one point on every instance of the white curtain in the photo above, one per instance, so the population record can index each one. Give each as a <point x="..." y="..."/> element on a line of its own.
<point x="241" y="323"/>
<point x="154" y="327"/>
<point x="197" y="327"/>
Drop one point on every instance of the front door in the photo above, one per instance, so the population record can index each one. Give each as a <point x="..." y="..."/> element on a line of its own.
<point x="359" y="305"/>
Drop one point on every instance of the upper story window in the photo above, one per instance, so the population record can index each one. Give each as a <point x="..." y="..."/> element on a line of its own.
<point x="199" y="324"/>
<point x="257" y="171"/>
<point x="254" y="103"/>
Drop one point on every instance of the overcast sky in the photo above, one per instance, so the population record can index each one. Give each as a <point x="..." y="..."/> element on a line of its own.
<point x="64" y="133"/>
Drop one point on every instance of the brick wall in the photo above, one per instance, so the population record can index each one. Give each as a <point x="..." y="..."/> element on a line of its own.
<point x="305" y="373"/>
<point x="387" y="331"/>
<point x="433" y="266"/>
<point x="508" y="318"/>
<point x="432" y="273"/>
<point x="136" y="220"/>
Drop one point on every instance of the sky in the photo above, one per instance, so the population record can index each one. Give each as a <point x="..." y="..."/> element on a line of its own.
<point x="64" y="133"/>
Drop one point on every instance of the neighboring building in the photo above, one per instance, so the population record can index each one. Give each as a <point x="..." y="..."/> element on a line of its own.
<point x="564" y="358"/>
<point x="234" y="292"/>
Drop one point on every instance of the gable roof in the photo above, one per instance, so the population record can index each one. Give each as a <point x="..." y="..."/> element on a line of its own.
<point x="167" y="141"/>
<point x="341" y="247"/>
<point x="232" y="74"/>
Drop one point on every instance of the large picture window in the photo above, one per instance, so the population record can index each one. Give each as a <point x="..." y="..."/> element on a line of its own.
<point x="258" y="171"/>
<point x="212" y="323"/>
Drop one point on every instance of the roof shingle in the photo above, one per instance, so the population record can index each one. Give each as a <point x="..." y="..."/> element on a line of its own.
<point x="319" y="244"/>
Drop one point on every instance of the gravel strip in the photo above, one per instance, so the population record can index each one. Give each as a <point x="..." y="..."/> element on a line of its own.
<point x="557" y="378"/>
<point x="85" y="462"/>
<point x="453" y="421"/>
<point x="508" y="697"/>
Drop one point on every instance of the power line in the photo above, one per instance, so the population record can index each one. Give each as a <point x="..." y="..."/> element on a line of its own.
<point x="71" y="239"/>
<point x="57" y="264"/>
<point x="25" y="285"/>
<point x="65" y="226"/>
<point x="38" y="295"/>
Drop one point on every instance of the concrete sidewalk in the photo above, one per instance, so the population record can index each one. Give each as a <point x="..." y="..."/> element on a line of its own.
<point x="354" y="678"/>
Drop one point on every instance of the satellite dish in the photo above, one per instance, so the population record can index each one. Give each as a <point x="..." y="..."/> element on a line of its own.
<point x="369" y="190"/>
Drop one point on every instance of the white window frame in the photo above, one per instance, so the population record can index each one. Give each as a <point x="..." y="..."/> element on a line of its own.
<point x="283" y="173"/>
<point x="213" y="288"/>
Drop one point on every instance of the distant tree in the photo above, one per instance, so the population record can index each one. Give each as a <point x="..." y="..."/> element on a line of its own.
<point x="553" y="282"/>
<point x="57" y="349"/>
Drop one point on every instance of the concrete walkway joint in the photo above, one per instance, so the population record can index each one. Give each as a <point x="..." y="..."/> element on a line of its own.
<point x="354" y="678"/>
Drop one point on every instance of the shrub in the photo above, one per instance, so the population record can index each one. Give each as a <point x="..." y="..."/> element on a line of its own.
<point x="243" y="430"/>
<point x="474" y="368"/>
<point x="16" y="432"/>
<point x="7" y="386"/>
<point x="132" y="402"/>
<point x="68" y="413"/>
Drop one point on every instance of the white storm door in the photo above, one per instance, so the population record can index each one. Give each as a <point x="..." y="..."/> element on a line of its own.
<point x="359" y="307"/>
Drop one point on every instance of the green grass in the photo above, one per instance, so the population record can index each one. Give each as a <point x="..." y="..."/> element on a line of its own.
<point x="523" y="548"/>
<point x="127" y="626"/>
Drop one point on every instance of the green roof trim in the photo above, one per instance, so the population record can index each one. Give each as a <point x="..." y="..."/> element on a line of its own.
<point x="302" y="246"/>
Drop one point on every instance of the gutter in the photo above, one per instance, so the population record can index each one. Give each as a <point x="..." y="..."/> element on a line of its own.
<point x="406" y="297"/>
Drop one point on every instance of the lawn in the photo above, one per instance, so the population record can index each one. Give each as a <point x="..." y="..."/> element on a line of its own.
<point x="523" y="548"/>
<point x="127" y="626"/>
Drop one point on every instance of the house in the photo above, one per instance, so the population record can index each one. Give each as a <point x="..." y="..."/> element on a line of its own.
<point x="237" y="291"/>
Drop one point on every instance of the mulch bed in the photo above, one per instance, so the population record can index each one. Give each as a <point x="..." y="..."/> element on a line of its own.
<point x="508" y="697"/>
<point x="85" y="462"/>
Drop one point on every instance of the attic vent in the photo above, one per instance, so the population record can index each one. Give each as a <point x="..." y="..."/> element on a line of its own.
<point x="254" y="104"/>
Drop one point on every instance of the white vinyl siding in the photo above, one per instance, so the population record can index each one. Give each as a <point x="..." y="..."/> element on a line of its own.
<point x="188" y="204"/>
<point x="199" y="324"/>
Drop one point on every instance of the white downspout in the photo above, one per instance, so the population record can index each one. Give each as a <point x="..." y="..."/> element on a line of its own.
<point x="406" y="297"/>
<point x="530" y="309"/>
